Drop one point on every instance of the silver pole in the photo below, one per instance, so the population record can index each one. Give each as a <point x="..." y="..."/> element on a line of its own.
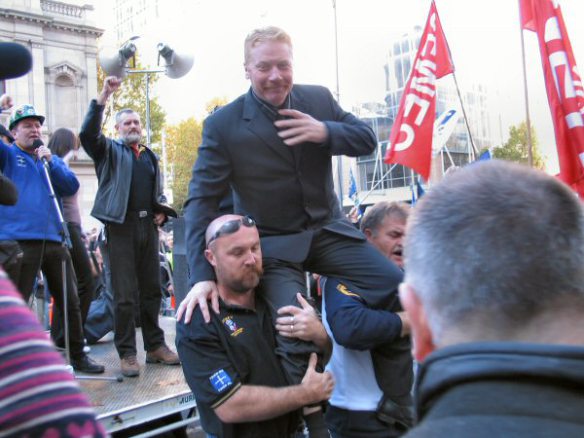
<point x="339" y="157"/>
<point x="527" y="118"/>
<point x="148" y="109"/>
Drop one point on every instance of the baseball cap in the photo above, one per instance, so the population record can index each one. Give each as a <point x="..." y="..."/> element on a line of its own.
<point x="25" y="111"/>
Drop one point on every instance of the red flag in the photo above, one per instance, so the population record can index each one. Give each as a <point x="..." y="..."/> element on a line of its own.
<point x="563" y="85"/>
<point x="411" y="135"/>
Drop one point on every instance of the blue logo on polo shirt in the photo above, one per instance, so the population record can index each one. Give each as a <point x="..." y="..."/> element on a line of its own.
<point x="221" y="380"/>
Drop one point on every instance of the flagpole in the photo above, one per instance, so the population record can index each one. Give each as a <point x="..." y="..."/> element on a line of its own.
<point x="459" y="95"/>
<point x="445" y="148"/>
<point x="339" y="157"/>
<point x="374" y="186"/>
<point x="527" y="118"/>
<point x="463" y="110"/>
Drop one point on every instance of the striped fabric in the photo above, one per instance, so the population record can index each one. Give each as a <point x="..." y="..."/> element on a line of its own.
<point x="39" y="397"/>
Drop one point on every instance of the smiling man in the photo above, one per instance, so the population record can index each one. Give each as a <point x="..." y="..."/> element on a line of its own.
<point x="129" y="202"/>
<point x="273" y="146"/>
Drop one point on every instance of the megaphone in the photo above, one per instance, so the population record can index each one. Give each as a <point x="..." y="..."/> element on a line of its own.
<point x="114" y="62"/>
<point x="177" y="65"/>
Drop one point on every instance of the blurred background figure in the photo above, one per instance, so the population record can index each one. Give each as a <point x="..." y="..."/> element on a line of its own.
<point x="6" y="102"/>
<point x="64" y="144"/>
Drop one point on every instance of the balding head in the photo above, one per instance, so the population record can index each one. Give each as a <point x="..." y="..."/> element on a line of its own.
<point x="494" y="251"/>
<point x="233" y="249"/>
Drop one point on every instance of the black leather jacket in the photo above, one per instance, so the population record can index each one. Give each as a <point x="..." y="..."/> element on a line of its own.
<point x="113" y="166"/>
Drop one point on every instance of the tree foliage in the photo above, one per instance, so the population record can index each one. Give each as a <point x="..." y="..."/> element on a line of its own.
<point x="215" y="103"/>
<point x="132" y="94"/>
<point x="182" y="145"/>
<point x="515" y="149"/>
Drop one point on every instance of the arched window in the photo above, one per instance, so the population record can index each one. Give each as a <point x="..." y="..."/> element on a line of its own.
<point x="65" y="114"/>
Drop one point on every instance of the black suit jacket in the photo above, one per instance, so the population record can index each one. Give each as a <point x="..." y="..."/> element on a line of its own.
<point x="287" y="190"/>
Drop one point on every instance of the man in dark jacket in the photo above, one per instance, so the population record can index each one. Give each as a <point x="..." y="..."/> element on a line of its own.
<point x="273" y="146"/>
<point x="498" y="320"/>
<point x="128" y="202"/>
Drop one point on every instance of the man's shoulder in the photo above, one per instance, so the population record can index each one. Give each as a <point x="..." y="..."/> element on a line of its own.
<point x="228" y="110"/>
<point x="197" y="327"/>
<point x="310" y="90"/>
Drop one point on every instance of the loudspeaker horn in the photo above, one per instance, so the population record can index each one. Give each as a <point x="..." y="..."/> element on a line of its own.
<point x="177" y="65"/>
<point x="114" y="62"/>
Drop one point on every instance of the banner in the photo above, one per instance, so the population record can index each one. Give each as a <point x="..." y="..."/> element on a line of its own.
<point x="444" y="127"/>
<point x="411" y="135"/>
<point x="353" y="194"/>
<point x="563" y="85"/>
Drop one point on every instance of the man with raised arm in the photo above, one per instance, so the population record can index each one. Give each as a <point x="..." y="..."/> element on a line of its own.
<point x="129" y="201"/>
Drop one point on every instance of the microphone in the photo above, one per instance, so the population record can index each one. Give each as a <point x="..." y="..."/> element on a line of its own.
<point x="15" y="60"/>
<point x="37" y="143"/>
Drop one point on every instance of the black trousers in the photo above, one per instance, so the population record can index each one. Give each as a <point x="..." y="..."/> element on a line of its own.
<point x="356" y="263"/>
<point x="343" y="423"/>
<point x="85" y="283"/>
<point x="135" y="275"/>
<point x="49" y="259"/>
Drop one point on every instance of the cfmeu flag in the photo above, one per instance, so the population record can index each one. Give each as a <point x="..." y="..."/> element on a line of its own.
<point x="563" y="85"/>
<point x="411" y="136"/>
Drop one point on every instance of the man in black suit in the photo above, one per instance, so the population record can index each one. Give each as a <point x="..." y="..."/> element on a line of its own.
<point x="273" y="147"/>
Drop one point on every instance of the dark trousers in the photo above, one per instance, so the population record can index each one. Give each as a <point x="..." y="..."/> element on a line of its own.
<point x="49" y="259"/>
<point x="356" y="263"/>
<point x="135" y="274"/>
<point x="343" y="423"/>
<point x="85" y="283"/>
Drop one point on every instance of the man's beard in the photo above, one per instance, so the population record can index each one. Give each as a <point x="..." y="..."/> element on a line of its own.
<point x="247" y="283"/>
<point x="132" y="138"/>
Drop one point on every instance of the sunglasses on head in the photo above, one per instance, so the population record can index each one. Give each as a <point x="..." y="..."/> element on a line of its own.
<point x="231" y="227"/>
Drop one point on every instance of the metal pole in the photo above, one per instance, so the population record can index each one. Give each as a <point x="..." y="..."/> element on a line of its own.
<point x="464" y="114"/>
<point x="164" y="160"/>
<point x="339" y="157"/>
<point x="338" y="93"/>
<point x="527" y="118"/>
<point x="148" y="109"/>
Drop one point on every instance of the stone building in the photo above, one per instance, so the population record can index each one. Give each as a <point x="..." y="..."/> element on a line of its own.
<point x="63" y="41"/>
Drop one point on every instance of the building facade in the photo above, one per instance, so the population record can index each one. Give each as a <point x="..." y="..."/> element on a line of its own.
<point x="377" y="180"/>
<point x="63" y="42"/>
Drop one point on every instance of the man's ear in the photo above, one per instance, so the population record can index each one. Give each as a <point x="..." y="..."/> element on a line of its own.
<point x="210" y="257"/>
<point x="423" y="344"/>
<point x="368" y="233"/>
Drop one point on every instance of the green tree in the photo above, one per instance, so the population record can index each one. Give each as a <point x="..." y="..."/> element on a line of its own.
<point x="515" y="149"/>
<point x="132" y="94"/>
<point x="182" y="145"/>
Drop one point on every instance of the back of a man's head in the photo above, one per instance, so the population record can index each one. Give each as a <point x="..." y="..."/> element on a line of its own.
<point x="496" y="252"/>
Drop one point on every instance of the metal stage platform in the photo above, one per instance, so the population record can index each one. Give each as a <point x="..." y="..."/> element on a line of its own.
<point x="159" y="390"/>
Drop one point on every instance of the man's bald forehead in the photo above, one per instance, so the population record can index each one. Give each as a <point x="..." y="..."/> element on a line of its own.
<point x="217" y="223"/>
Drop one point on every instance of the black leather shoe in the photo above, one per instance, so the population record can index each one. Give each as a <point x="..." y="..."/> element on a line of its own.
<point x="87" y="365"/>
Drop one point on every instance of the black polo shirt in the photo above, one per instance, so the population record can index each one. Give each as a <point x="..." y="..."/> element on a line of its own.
<point x="236" y="348"/>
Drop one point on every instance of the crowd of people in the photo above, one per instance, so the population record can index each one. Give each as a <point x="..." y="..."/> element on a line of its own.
<point x="478" y="290"/>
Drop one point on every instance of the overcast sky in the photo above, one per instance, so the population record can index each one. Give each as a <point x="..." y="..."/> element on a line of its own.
<point x="483" y="35"/>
